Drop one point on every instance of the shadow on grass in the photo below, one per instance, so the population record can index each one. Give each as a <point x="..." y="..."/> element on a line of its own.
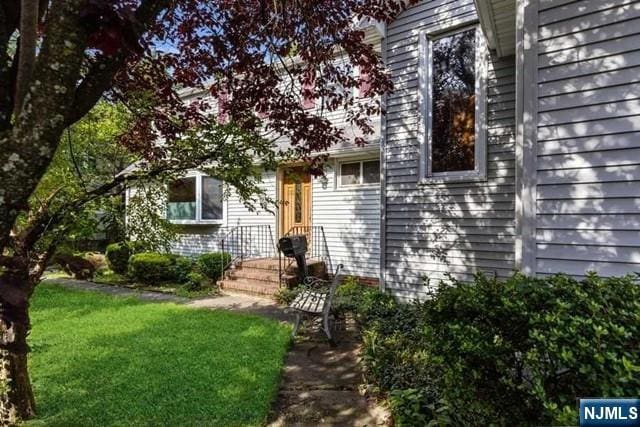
<point x="100" y="360"/>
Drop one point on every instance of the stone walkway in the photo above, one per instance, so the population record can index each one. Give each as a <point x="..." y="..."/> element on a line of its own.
<point x="320" y="383"/>
<point x="320" y="386"/>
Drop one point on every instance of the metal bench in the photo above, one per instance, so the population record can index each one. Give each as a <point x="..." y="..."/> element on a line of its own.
<point x="314" y="301"/>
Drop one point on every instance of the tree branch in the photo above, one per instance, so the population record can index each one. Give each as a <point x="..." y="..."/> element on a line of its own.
<point x="101" y="73"/>
<point x="9" y="12"/>
<point x="73" y="160"/>
<point x="26" y="61"/>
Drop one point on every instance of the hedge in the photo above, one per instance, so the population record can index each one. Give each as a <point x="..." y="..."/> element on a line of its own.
<point x="520" y="351"/>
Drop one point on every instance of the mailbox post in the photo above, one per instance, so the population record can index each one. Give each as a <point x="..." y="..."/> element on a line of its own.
<point x="295" y="246"/>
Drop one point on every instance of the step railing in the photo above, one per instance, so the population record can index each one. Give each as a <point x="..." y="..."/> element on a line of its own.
<point x="317" y="248"/>
<point x="247" y="241"/>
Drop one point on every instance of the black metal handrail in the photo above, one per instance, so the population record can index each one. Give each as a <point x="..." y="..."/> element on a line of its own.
<point x="247" y="241"/>
<point x="317" y="247"/>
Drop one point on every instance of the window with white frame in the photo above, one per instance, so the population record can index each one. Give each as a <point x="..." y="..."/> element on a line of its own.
<point x="194" y="199"/>
<point x="453" y="98"/>
<point x="362" y="172"/>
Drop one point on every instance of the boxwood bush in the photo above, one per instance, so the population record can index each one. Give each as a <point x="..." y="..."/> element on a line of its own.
<point x="212" y="264"/>
<point x="154" y="268"/>
<point x="182" y="267"/>
<point x="195" y="281"/>
<point x="118" y="255"/>
<point x="520" y="351"/>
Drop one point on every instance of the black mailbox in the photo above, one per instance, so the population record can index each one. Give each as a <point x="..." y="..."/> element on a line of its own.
<point x="295" y="246"/>
<point x="292" y="246"/>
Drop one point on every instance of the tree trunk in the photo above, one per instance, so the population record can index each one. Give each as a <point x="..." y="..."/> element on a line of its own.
<point x="16" y="395"/>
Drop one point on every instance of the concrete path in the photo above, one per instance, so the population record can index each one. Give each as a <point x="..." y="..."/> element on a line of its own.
<point x="243" y="303"/>
<point x="116" y="290"/>
<point x="320" y="383"/>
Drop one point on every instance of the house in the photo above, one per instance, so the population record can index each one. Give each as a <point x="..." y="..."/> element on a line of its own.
<point x="511" y="141"/>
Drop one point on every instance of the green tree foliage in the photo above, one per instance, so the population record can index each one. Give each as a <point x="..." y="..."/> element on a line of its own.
<point x="146" y="222"/>
<point x="87" y="158"/>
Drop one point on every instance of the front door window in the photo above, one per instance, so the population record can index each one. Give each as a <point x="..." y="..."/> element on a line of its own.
<point x="298" y="203"/>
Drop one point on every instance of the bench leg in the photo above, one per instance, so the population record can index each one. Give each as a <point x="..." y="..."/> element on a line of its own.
<point x="296" y="325"/>
<point x="327" y="330"/>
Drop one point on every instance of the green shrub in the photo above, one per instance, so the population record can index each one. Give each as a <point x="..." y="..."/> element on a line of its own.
<point x="212" y="264"/>
<point x="348" y="295"/>
<point x="492" y="352"/>
<point x="118" y="255"/>
<point x="365" y="302"/>
<point x="152" y="267"/>
<point x="195" y="281"/>
<point x="183" y="267"/>
<point x="413" y="407"/>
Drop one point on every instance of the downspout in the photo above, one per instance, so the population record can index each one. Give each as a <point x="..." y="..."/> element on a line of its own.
<point x="383" y="172"/>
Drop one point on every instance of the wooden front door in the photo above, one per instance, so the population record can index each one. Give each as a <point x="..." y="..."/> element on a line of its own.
<point x="296" y="200"/>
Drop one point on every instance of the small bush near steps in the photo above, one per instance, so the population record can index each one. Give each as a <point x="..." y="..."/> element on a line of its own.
<point x="521" y="351"/>
<point x="212" y="264"/>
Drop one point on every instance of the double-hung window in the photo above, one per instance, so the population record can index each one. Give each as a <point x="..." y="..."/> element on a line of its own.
<point x="453" y="105"/>
<point x="195" y="199"/>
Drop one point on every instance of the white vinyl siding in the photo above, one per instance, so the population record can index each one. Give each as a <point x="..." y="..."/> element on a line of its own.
<point x="350" y="217"/>
<point x="588" y="149"/>
<point x="239" y="214"/>
<point x="439" y="228"/>
<point x="197" y="240"/>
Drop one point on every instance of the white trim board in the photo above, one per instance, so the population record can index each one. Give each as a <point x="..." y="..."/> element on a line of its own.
<point x="526" y="134"/>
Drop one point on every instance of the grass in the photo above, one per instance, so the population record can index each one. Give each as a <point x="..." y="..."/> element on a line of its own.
<point x="103" y="360"/>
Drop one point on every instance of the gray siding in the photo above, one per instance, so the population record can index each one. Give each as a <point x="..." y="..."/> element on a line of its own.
<point x="457" y="228"/>
<point x="588" y="149"/>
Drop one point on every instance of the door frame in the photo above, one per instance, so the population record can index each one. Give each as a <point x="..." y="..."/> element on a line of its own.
<point x="280" y="195"/>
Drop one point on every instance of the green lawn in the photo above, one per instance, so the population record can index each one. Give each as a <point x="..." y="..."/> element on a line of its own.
<point x="103" y="360"/>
